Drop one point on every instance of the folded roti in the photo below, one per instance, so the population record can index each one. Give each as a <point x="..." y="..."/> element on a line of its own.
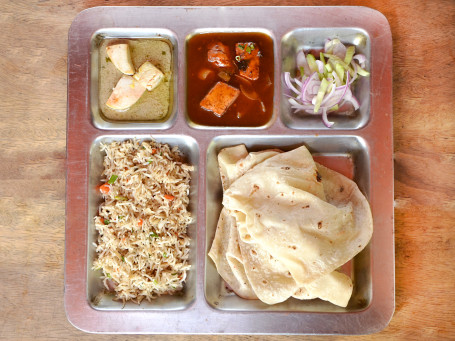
<point x="225" y="253"/>
<point x="280" y="204"/>
<point x="248" y="267"/>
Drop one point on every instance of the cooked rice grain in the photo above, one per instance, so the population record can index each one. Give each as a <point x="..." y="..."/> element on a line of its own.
<point x="143" y="244"/>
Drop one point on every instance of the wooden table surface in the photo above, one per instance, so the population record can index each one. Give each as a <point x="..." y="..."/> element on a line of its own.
<point x="33" y="60"/>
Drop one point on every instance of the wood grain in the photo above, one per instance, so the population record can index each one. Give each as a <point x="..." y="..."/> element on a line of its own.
<point x="33" y="52"/>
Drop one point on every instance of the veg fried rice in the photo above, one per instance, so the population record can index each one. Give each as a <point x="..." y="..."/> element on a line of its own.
<point x="143" y="246"/>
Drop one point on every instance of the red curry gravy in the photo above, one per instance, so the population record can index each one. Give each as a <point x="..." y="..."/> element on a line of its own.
<point x="220" y="57"/>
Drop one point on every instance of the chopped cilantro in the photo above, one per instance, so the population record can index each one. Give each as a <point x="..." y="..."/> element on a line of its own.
<point x="108" y="59"/>
<point x="164" y="254"/>
<point x="154" y="235"/>
<point x="155" y="281"/>
<point x="241" y="47"/>
<point x="108" y="275"/>
<point x="123" y="259"/>
<point x="120" y="198"/>
<point x="248" y="49"/>
<point x="106" y="222"/>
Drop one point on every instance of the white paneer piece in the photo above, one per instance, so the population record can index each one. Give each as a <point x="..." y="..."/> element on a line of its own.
<point x="120" y="56"/>
<point x="125" y="94"/>
<point x="149" y="75"/>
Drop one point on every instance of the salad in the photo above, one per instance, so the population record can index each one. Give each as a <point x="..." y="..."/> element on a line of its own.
<point x="325" y="82"/>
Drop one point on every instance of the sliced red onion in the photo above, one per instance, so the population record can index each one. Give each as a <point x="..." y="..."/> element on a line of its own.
<point x="335" y="47"/>
<point x="312" y="83"/>
<point x="287" y="80"/>
<point x="299" y="83"/>
<point x="361" y="59"/>
<point x="302" y="62"/>
<point x="326" y="121"/>
<point x="320" y="66"/>
<point x="304" y="87"/>
<point x="349" y="97"/>
<point x="336" y="97"/>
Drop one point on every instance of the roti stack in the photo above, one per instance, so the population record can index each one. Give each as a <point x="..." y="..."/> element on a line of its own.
<point x="286" y="226"/>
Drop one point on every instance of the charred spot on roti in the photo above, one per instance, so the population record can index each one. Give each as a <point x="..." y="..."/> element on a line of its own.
<point x="341" y="189"/>
<point x="286" y="168"/>
<point x="319" y="225"/>
<point x="264" y="281"/>
<point x="318" y="177"/>
<point x="255" y="189"/>
<point x="306" y="206"/>
<point x="253" y="252"/>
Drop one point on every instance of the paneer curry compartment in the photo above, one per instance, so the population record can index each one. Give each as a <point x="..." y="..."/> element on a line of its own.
<point x="230" y="79"/>
<point x="134" y="79"/>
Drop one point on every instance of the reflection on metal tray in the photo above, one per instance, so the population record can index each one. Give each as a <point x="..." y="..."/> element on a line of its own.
<point x="359" y="146"/>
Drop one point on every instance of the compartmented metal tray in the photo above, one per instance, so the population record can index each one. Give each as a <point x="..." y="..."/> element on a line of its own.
<point x="360" y="146"/>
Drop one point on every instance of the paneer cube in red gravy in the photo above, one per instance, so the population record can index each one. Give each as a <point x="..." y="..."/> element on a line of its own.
<point x="218" y="54"/>
<point x="247" y="57"/>
<point x="220" y="98"/>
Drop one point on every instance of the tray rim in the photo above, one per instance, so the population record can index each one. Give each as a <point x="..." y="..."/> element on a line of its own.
<point x="375" y="317"/>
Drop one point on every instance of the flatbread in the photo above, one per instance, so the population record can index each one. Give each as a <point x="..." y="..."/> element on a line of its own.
<point x="250" y="268"/>
<point x="225" y="253"/>
<point x="281" y="205"/>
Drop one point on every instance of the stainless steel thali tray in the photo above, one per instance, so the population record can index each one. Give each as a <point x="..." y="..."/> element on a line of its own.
<point x="359" y="146"/>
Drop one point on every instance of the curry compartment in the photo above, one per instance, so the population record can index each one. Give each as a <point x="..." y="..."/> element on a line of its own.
<point x="98" y="297"/>
<point x="312" y="40"/>
<point x="230" y="78"/>
<point x="154" y="109"/>
<point x="345" y="154"/>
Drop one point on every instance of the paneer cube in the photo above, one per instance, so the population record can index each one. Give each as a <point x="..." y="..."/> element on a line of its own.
<point x="220" y="98"/>
<point x="149" y="76"/>
<point x="125" y="94"/>
<point x="218" y="54"/>
<point x="120" y="56"/>
<point x="247" y="57"/>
